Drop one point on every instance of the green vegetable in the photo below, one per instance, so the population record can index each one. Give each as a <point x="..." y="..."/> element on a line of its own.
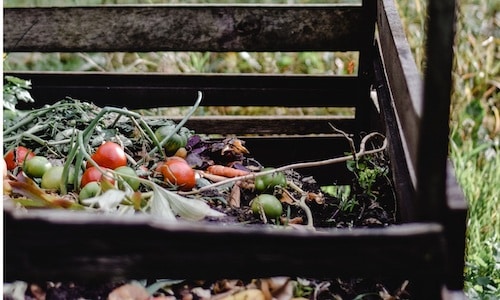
<point x="129" y="176"/>
<point x="269" y="204"/>
<point x="176" y="140"/>
<point x="52" y="178"/>
<point x="36" y="166"/>
<point x="90" y="190"/>
<point x="269" y="182"/>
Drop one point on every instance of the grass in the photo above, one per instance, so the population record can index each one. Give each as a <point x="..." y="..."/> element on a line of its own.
<point x="475" y="132"/>
<point x="474" y="120"/>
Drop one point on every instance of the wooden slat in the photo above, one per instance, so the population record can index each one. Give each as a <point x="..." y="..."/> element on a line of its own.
<point x="268" y="125"/>
<point x="150" y="90"/>
<point x="455" y="229"/>
<point x="105" y="247"/>
<point x="404" y="79"/>
<point x="184" y="27"/>
<point x="278" y="151"/>
<point x="404" y="188"/>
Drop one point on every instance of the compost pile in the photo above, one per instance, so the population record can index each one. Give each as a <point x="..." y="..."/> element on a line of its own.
<point x="75" y="155"/>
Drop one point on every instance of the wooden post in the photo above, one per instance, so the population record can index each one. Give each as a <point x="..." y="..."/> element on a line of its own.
<point x="433" y="145"/>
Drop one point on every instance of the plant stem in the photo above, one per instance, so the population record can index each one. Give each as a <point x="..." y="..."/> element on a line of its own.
<point x="176" y="128"/>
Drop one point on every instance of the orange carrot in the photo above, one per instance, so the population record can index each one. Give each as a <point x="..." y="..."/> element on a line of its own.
<point x="226" y="171"/>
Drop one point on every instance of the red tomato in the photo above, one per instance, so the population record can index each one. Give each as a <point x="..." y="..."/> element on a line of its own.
<point x="16" y="157"/>
<point x="178" y="172"/>
<point x="110" y="155"/>
<point x="92" y="174"/>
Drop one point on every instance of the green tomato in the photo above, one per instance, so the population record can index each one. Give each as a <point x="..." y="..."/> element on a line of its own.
<point x="260" y="185"/>
<point x="90" y="190"/>
<point x="175" y="142"/>
<point x="36" y="166"/>
<point x="129" y="176"/>
<point x="52" y="178"/>
<point x="270" y="204"/>
<point x="270" y="181"/>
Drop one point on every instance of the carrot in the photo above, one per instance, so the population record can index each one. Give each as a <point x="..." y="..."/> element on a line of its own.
<point x="226" y="171"/>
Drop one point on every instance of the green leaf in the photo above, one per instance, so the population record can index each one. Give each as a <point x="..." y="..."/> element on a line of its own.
<point x="26" y="84"/>
<point x="9" y="101"/>
<point x="107" y="201"/>
<point x="23" y="95"/>
<point x="160" y="206"/>
<point x="167" y="204"/>
<point x="15" y="90"/>
<point x="475" y="111"/>
<point x="161" y="284"/>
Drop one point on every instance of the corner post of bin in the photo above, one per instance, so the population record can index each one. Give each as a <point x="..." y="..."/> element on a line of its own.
<point x="432" y="163"/>
<point x="366" y="112"/>
<point x="434" y="126"/>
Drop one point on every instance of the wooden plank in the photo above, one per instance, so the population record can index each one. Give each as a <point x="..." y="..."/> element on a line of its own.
<point x="404" y="79"/>
<point x="204" y="27"/>
<point x="151" y="90"/>
<point x="455" y="223"/>
<point x="269" y="125"/>
<point x="276" y="151"/>
<point x="434" y="131"/>
<point x="365" y="112"/>
<point x="79" y="246"/>
<point x="404" y="188"/>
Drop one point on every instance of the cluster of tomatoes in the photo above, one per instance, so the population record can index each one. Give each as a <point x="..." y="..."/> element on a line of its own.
<point x="112" y="170"/>
<point x="34" y="166"/>
<point x="109" y="168"/>
<point x="108" y="156"/>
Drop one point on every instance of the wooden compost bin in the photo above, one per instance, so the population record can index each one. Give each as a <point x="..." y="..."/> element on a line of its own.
<point x="411" y="110"/>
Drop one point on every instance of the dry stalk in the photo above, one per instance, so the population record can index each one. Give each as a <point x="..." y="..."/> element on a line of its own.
<point x="302" y="204"/>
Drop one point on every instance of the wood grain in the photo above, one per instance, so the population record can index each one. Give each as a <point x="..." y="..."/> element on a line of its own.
<point x="183" y="27"/>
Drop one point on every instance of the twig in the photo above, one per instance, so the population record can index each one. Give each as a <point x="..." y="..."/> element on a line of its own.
<point x="302" y="203"/>
<point x="350" y="140"/>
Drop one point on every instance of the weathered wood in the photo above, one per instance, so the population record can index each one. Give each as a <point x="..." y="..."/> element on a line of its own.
<point x="404" y="79"/>
<point x="269" y="125"/>
<point x="184" y="28"/>
<point x="91" y="247"/>
<point x="278" y="151"/>
<point x="404" y="187"/>
<point x="151" y="90"/>
<point x="455" y="230"/>
<point x="434" y="130"/>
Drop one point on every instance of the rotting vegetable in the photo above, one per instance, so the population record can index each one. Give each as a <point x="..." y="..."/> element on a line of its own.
<point x="90" y="190"/>
<point x="268" y="205"/>
<point x="172" y="140"/>
<point x="129" y="176"/>
<point x="270" y="181"/>
<point x="15" y="157"/>
<point x="36" y="166"/>
<point x="178" y="173"/>
<point x="93" y="174"/>
<point x="52" y="179"/>
<point x="145" y="172"/>
<point x="110" y="155"/>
